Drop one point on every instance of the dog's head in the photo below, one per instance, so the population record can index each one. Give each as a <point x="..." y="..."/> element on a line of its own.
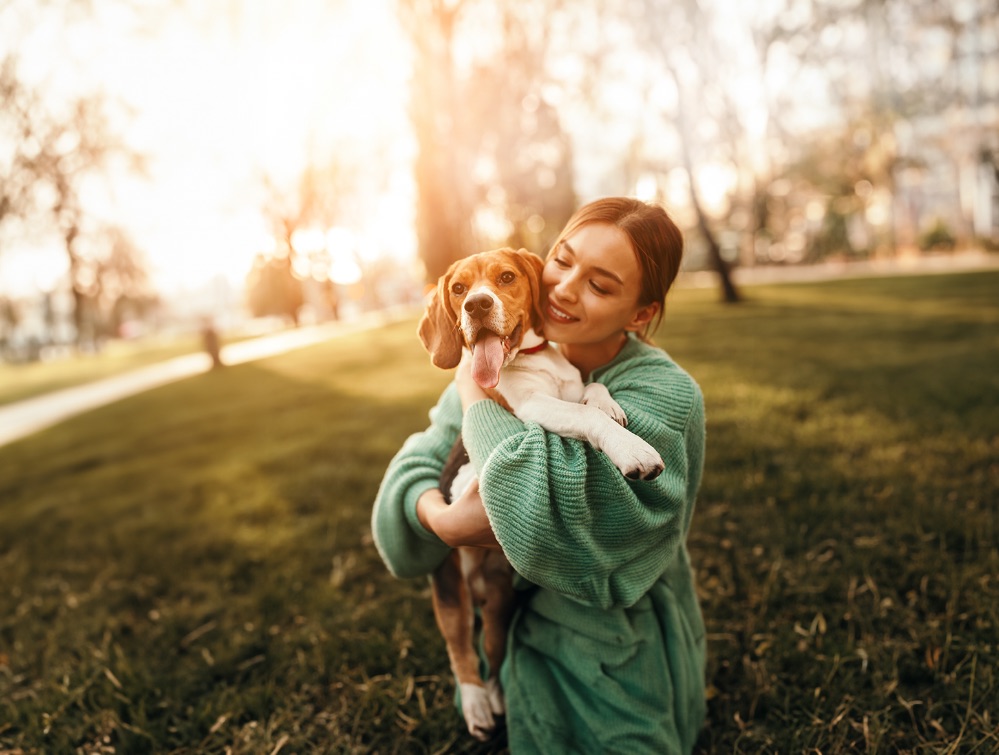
<point x="486" y="302"/>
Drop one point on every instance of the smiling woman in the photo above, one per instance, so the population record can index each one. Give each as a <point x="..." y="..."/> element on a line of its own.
<point x="222" y="97"/>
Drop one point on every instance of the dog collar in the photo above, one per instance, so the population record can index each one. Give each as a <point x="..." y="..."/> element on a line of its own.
<point x="535" y="349"/>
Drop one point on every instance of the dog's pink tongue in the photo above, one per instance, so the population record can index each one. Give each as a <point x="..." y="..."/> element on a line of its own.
<point x="487" y="358"/>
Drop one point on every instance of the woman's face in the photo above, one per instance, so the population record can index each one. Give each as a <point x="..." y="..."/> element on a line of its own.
<point x="592" y="282"/>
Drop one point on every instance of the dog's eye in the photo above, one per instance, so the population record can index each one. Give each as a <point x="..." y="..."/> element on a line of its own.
<point x="458" y="289"/>
<point x="507" y="277"/>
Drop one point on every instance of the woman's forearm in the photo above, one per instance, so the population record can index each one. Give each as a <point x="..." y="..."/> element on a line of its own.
<point x="464" y="522"/>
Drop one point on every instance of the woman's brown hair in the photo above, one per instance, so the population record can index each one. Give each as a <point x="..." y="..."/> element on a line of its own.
<point x="654" y="237"/>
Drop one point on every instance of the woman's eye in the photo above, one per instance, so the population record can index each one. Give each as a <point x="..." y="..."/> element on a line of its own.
<point x="561" y="262"/>
<point x="458" y="289"/>
<point x="598" y="289"/>
<point x="507" y="277"/>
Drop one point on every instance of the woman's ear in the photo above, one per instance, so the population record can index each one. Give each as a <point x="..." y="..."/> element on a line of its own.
<point x="439" y="328"/>
<point x="533" y="265"/>
<point x="643" y="316"/>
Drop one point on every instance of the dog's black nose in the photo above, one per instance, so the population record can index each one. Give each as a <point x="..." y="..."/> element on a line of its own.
<point x="478" y="305"/>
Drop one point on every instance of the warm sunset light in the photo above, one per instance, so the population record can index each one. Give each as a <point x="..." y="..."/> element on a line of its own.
<point x="220" y="102"/>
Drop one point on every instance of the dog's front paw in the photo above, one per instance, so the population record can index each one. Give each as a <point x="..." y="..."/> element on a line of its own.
<point x="636" y="459"/>
<point x="597" y="396"/>
<point x="478" y="711"/>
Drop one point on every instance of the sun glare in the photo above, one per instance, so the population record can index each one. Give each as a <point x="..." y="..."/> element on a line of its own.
<point x="225" y="98"/>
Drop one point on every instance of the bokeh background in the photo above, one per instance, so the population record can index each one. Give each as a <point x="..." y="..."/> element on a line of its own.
<point x="186" y="565"/>
<point x="169" y="161"/>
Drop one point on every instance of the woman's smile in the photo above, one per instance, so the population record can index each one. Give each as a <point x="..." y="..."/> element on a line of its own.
<point x="558" y="314"/>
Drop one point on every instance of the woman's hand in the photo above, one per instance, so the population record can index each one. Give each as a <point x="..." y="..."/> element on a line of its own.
<point x="464" y="522"/>
<point x="468" y="389"/>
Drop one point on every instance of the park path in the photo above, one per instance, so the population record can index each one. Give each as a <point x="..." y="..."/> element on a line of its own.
<point x="23" y="418"/>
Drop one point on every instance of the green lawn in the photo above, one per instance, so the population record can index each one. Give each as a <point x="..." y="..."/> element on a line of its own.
<point x="191" y="570"/>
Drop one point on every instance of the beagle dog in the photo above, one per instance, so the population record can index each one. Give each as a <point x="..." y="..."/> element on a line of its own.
<point x="489" y="307"/>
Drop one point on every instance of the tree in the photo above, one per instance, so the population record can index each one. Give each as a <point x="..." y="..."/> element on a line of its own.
<point x="443" y="204"/>
<point x="51" y="154"/>
<point x="10" y="316"/>
<point x="273" y="289"/>
<point x="678" y="36"/>
<point x="122" y="289"/>
<point x="494" y="166"/>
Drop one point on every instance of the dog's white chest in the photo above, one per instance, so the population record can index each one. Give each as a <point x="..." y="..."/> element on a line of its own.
<point x="547" y="373"/>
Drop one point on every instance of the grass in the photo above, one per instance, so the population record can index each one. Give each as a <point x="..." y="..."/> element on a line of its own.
<point x="191" y="570"/>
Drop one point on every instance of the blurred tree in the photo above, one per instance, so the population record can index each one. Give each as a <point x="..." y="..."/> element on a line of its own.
<point x="494" y="165"/>
<point x="16" y="102"/>
<point x="909" y="79"/>
<point x="122" y="287"/>
<point x="443" y="200"/>
<point x="523" y="170"/>
<point x="678" y="36"/>
<point x="324" y="197"/>
<point x="50" y="154"/>
<point x="273" y="289"/>
<point x="320" y="199"/>
<point x="10" y="316"/>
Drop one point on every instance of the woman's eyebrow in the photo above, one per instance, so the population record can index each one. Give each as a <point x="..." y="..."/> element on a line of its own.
<point x="598" y="270"/>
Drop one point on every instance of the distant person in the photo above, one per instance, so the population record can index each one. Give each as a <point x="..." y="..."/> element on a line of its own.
<point x="606" y="651"/>
<point x="210" y="339"/>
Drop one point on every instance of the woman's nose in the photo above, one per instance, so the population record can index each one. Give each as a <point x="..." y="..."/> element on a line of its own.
<point x="560" y="285"/>
<point x="565" y="288"/>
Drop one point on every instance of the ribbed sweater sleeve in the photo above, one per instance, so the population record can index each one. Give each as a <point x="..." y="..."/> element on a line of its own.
<point x="566" y="518"/>
<point x="406" y="547"/>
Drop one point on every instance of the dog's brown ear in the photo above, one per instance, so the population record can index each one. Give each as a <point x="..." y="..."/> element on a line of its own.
<point x="439" y="328"/>
<point x="533" y="265"/>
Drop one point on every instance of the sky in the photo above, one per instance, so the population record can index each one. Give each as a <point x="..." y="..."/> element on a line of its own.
<point x="220" y="95"/>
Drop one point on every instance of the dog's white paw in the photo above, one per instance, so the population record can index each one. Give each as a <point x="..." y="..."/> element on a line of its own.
<point x="636" y="459"/>
<point x="478" y="711"/>
<point x="597" y="396"/>
<point x="497" y="702"/>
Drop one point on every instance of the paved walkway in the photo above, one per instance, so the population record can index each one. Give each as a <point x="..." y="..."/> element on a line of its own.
<point x="22" y="418"/>
<point x="924" y="264"/>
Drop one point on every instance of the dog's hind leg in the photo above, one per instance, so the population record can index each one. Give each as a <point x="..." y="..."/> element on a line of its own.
<point x="497" y="606"/>
<point x="456" y="620"/>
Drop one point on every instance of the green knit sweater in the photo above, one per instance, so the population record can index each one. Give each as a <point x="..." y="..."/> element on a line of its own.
<point x="607" y="648"/>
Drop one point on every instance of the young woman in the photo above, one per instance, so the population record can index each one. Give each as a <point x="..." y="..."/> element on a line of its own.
<point x="606" y="649"/>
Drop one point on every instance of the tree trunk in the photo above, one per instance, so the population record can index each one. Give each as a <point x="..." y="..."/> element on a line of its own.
<point x="730" y="294"/>
<point x="443" y="226"/>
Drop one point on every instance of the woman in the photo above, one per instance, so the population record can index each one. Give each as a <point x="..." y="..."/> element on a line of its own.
<point x="606" y="649"/>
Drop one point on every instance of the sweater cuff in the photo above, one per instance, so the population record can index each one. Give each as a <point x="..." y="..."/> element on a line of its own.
<point x="409" y="508"/>
<point x="485" y="426"/>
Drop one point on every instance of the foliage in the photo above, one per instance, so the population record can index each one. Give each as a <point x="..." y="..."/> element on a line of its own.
<point x="937" y="236"/>
<point x="50" y="154"/>
<point x="212" y="586"/>
<point x="273" y="288"/>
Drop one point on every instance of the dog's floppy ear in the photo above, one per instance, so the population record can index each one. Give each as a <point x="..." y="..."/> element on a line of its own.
<point x="439" y="328"/>
<point x="533" y="265"/>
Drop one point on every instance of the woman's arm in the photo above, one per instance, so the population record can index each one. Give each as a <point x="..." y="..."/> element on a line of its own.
<point x="405" y="544"/>
<point x="464" y="521"/>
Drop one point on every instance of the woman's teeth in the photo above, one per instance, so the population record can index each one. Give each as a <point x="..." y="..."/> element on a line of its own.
<point x="558" y="314"/>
